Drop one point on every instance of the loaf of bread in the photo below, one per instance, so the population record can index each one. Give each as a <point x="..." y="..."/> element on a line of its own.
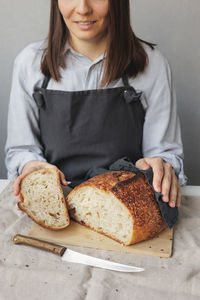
<point x="118" y="204"/>
<point x="43" y="199"/>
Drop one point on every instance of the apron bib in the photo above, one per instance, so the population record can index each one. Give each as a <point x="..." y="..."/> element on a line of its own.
<point x="92" y="128"/>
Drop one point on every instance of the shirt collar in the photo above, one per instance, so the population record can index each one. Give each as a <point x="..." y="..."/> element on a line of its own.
<point x="68" y="48"/>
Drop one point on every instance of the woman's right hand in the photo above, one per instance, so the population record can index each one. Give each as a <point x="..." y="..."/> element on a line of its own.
<point x="34" y="166"/>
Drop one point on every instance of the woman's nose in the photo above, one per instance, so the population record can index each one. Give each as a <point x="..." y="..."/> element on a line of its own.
<point x="83" y="7"/>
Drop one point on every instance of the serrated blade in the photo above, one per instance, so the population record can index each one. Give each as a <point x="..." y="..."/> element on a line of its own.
<point x="76" y="257"/>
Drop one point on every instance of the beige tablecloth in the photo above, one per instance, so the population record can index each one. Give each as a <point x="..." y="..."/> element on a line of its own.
<point x="27" y="273"/>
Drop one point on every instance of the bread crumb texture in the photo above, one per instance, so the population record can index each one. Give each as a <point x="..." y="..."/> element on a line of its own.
<point x="43" y="199"/>
<point x="119" y="204"/>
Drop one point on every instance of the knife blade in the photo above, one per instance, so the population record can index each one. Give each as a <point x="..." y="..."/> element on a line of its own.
<point x="69" y="255"/>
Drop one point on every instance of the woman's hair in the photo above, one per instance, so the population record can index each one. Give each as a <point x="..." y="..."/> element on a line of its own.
<point x="125" y="54"/>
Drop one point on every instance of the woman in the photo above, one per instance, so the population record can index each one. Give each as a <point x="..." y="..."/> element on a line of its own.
<point x="93" y="94"/>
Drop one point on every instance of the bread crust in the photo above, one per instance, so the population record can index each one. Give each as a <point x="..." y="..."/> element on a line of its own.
<point x="135" y="193"/>
<point x="20" y="204"/>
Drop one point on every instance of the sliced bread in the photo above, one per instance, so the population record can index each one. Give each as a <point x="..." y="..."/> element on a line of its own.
<point x="119" y="204"/>
<point x="43" y="199"/>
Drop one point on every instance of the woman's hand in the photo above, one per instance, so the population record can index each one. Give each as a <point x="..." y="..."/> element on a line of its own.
<point x="34" y="166"/>
<point x="164" y="179"/>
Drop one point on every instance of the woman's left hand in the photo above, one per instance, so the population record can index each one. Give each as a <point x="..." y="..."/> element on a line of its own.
<point x="164" y="179"/>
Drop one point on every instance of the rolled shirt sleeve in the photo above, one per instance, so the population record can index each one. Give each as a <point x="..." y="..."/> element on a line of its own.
<point x="23" y="135"/>
<point x="162" y="134"/>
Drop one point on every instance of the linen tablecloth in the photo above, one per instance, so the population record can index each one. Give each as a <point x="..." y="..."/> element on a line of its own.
<point x="27" y="273"/>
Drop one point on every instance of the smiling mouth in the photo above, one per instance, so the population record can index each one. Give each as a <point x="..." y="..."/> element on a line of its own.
<point x="85" y="22"/>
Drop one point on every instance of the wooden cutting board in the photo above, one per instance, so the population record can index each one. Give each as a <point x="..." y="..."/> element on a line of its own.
<point x="79" y="235"/>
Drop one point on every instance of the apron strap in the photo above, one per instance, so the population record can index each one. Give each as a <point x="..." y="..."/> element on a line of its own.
<point x="130" y="93"/>
<point x="126" y="83"/>
<point x="45" y="82"/>
<point x="38" y="93"/>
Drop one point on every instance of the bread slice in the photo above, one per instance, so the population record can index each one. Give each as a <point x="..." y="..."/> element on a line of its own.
<point x="119" y="204"/>
<point x="43" y="198"/>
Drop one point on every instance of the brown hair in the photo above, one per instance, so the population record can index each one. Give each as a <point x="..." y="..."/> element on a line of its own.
<point x="125" y="53"/>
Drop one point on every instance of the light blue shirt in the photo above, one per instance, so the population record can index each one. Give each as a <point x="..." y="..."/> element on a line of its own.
<point x="161" y="135"/>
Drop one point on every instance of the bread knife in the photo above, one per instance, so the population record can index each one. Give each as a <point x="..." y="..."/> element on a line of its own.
<point x="73" y="256"/>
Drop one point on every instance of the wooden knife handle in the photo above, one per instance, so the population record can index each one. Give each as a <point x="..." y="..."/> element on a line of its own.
<point x="22" y="239"/>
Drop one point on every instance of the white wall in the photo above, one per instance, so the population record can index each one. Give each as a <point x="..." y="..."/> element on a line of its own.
<point x="175" y="26"/>
<point x="172" y="24"/>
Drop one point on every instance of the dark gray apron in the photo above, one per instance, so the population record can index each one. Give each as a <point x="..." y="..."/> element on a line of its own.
<point x="92" y="128"/>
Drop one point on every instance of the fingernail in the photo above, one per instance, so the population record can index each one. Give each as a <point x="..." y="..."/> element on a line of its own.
<point x="165" y="198"/>
<point x="69" y="182"/>
<point x="157" y="189"/>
